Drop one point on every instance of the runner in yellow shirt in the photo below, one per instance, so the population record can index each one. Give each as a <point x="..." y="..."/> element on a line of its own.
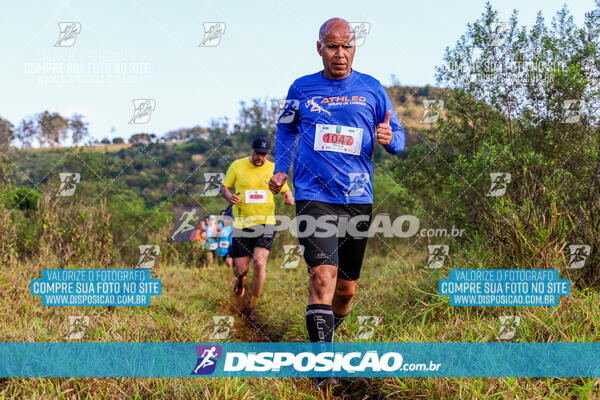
<point x="253" y="210"/>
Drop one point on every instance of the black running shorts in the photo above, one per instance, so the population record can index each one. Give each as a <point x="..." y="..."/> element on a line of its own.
<point x="346" y="251"/>
<point x="245" y="240"/>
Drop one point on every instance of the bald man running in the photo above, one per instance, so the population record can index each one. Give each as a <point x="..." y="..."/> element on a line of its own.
<point x="338" y="115"/>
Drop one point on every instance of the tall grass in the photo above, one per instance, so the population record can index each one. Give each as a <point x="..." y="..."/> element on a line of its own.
<point x="409" y="308"/>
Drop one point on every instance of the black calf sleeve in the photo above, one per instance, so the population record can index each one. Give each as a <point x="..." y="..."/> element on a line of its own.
<point x="320" y="322"/>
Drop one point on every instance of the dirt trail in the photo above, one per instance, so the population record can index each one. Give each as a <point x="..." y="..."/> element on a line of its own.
<point x="247" y="331"/>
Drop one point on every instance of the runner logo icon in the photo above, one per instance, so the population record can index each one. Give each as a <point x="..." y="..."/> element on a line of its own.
<point x="288" y="111"/>
<point x="314" y="106"/>
<point x="578" y="255"/>
<point x="185" y="221"/>
<point x="500" y="180"/>
<point x="207" y="359"/>
<point x="221" y="327"/>
<point x="212" y="34"/>
<point x="437" y="255"/>
<point x="293" y="253"/>
<point x="142" y="110"/>
<point x="508" y="326"/>
<point x="213" y="181"/>
<point x="358" y="183"/>
<point x="68" y="34"/>
<point x="68" y="183"/>
<point x="148" y="255"/>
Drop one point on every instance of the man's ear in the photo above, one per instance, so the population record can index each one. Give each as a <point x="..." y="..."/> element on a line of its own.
<point x="319" y="48"/>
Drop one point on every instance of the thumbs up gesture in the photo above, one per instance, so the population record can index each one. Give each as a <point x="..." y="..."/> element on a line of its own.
<point x="384" y="130"/>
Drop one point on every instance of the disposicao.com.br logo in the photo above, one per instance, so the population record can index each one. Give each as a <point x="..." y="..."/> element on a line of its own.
<point x="320" y="362"/>
<point x="293" y="364"/>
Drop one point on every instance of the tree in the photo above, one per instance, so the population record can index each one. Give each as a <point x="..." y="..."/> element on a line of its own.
<point x="6" y="165"/>
<point x="259" y="117"/>
<point x="105" y="141"/>
<point x="525" y="102"/>
<point x="217" y="130"/>
<point x="7" y="133"/>
<point x="52" y="128"/>
<point x="26" y="132"/>
<point x="141" y="138"/>
<point x="197" y="132"/>
<point x="79" y="128"/>
<point x="176" y="135"/>
<point x="118" y="140"/>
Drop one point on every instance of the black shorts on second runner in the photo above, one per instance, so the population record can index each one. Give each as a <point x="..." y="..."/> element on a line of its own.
<point x="245" y="240"/>
<point x="346" y="251"/>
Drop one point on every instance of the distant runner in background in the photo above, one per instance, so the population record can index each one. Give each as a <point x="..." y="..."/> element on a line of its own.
<point x="198" y="239"/>
<point x="225" y="236"/>
<point x="212" y="239"/>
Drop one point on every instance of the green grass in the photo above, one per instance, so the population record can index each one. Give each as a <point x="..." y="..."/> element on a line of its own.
<point x="399" y="291"/>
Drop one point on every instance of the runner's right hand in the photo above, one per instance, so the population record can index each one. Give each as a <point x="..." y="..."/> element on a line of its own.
<point x="384" y="130"/>
<point x="276" y="182"/>
<point x="234" y="198"/>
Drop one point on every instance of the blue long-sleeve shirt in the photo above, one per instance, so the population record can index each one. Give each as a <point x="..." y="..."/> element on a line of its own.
<point x="318" y="112"/>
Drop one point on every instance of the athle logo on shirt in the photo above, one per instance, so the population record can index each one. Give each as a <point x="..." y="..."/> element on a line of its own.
<point x="316" y="105"/>
<point x="317" y="102"/>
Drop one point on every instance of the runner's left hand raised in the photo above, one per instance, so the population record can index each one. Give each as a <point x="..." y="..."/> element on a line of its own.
<point x="384" y="130"/>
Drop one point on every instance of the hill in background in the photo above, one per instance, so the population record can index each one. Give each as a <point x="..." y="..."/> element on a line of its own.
<point x="176" y="161"/>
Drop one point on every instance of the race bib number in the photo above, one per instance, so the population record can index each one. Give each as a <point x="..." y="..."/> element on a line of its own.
<point x="213" y="246"/>
<point x="256" y="196"/>
<point x="342" y="139"/>
<point x="224" y="245"/>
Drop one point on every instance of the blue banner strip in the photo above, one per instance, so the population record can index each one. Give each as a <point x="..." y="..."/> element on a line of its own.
<point x="338" y="359"/>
